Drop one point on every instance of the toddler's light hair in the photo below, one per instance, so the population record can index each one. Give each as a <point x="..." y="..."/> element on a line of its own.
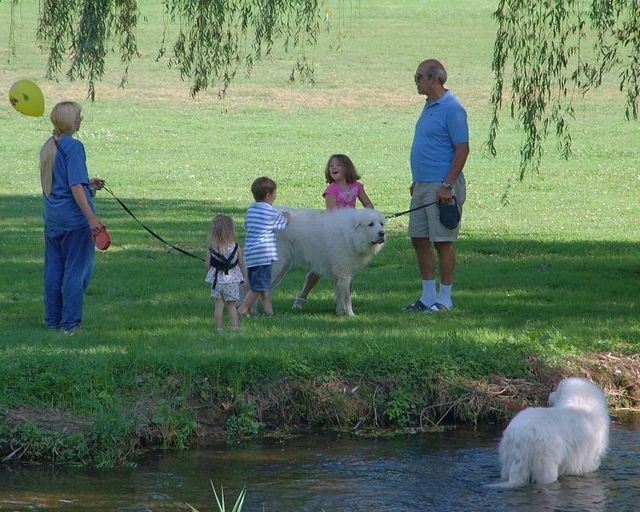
<point x="221" y="232"/>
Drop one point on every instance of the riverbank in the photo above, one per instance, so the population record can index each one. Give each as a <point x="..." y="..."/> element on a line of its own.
<point x="364" y="406"/>
<point x="378" y="406"/>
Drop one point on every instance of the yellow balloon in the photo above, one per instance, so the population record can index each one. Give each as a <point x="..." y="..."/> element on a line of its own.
<point x="27" y="98"/>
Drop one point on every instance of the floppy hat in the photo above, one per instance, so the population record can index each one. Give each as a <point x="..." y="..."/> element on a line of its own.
<point x="449" y="214"/>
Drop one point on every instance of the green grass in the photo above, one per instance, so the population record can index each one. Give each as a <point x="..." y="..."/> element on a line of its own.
<point x="550" y="275"/>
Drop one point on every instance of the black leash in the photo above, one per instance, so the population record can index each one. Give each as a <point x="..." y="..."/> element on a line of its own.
<point x="394" y="215"/>
<point x="155" y="235"/>
<point x="150" y="231"/>
<point x="187" y="253"/>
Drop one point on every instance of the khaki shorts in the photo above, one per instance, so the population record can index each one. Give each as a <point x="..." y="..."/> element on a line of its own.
<point x="425" y="222"/>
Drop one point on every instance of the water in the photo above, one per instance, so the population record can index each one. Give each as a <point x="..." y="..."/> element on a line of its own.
<point x="440" y="472"/>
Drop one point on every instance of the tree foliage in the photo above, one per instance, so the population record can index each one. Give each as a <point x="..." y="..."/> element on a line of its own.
<point x="550" y="51"/>
<point x="557" y="50"/>
<point x="214" y="37"/>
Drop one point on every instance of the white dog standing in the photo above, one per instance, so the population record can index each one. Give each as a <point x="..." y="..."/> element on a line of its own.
<point x="333" y="243"/>
<point x="568" y="438"/>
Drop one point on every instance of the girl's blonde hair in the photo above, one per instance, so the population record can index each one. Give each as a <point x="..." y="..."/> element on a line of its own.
<point x="221" y="232"/>
<point x="350" y="172"/>
<point x="63" y="116"/>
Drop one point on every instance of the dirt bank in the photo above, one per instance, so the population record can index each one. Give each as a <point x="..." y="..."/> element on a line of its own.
<point x="336" y="403"/>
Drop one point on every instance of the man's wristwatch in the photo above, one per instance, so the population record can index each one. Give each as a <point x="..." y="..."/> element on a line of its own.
<point x="448" y="186"/>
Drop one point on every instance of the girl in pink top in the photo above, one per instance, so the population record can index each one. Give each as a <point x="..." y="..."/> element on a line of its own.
<point x="342" y="192"/>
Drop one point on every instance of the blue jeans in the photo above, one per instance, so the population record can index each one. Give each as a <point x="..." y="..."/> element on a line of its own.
<point x="260" y="278"/>
<point x="68" y="266"/>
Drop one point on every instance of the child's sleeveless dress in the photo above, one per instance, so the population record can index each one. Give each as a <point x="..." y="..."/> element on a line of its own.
<point x="225" y="285"/>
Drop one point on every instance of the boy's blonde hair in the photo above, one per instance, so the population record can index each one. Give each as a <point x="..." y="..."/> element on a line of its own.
<point x="350" y="173"/>
<point x="63" y="117"/>
<point x="221" y="232"/>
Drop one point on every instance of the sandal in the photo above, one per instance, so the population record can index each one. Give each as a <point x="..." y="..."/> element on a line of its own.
<point x="298" y="304"/>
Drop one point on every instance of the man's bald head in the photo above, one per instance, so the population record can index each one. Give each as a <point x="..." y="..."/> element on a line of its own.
<point x="432" y="68"/>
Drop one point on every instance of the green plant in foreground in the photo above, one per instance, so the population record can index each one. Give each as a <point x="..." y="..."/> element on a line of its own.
<point x="237" y="507"/>
<point x="32" y="442"/>
<point x="400" y="407"/>
<point x="244" y="422"/>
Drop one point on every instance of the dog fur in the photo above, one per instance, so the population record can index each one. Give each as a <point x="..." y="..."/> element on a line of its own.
<point x="568" y="438"/>
<point x="330" y="243"/>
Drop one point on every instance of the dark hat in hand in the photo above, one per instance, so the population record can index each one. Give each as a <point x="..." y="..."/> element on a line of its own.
<point x="449" y="214"/>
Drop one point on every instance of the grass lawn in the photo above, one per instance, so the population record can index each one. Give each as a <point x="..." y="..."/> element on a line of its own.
<point x="547" y="281"/>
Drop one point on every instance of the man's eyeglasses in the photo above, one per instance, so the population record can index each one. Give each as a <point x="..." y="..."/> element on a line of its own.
<point x="417" y="77"/>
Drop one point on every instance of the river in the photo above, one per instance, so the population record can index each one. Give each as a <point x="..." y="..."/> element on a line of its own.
<point x="441" y="472"/>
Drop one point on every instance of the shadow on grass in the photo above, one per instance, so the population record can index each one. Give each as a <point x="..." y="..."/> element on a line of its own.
<point x="586" y="289"/>
<point x="523" y="309"/>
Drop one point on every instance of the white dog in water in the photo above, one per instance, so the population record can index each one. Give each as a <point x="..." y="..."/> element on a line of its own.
<point x="330" y="243"/>
<point x="568" y="438"/>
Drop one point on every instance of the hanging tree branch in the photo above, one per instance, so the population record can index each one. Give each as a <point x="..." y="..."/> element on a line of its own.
<point x="213" y="40"/>
<point x="81" y="31"/>
<point x="215" y="37"/>
<point x="555" y="49"/>
<point x="548" y="51"/>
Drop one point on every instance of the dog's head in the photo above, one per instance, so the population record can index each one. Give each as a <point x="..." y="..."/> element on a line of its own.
<point x="372" y="223"/>
<point x="578" y="393"/>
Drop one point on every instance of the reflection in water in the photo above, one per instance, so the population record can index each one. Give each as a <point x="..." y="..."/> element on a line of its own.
<point x="435" y="472"/>
<point x="576" y="494"/>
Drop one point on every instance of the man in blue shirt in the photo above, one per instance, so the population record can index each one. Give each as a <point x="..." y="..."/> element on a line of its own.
<point x="438" y="154"/>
